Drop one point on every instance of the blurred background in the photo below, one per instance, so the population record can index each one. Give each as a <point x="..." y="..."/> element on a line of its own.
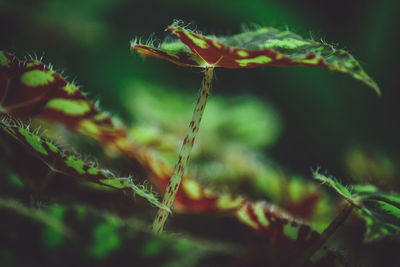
<point x="297" y="117"/>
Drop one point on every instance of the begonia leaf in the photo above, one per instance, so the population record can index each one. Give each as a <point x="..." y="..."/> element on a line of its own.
<point x="264" y="46"/>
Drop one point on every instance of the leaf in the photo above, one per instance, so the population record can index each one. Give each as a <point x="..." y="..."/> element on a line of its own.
<point x="176" y="52"/>
<point x="278" y="226"/>
<point x="95" y="237"/>
<point x="30" y="88"/>
<point x="262" y="47"/>
<point x="71" y="165"/>
<point x="380" y="210"/>
<point x="332" y="182"/>
<point x="234" y="166"/>
<point x="53" y="102"/>
<point x="37" y="215"/>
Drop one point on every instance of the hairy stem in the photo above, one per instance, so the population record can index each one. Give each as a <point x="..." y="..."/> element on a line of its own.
<point x="328" y="232"/>
<point x="184" y="153"/>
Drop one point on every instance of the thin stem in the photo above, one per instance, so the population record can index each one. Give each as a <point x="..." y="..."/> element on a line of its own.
<point x="184" y="153"/>
<point x="328" y="232"/>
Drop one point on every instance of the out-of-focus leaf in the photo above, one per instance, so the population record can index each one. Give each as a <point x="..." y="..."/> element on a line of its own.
<point x="261" y="47"/>
<point x="96" y="238"/>
<point x="58" y="226"/>
<point x="226" y="119"/>
<point x="373" y="167"/>
<point x="240" y="170"/>
<point x="224" y="153"/>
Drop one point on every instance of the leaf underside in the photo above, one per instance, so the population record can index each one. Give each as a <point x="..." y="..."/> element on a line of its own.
<point x="262" y="47"/>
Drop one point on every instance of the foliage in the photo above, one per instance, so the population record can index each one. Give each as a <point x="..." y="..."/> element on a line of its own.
<point x="280" y="227"/>
<point x="94" y="237"/>
<point x="263" y="47"/>
<point x="379" y="210"/>
<point x="107" y="231"/>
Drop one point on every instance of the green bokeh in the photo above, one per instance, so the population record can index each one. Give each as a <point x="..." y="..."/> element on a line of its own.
<point x="105" y="239"/>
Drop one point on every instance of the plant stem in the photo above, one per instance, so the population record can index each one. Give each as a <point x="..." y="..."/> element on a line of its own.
<point x="333" y="226"/>
<point x="184" y="153"/>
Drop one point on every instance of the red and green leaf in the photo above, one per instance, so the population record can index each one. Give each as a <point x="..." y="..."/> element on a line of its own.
<point x="261" y="47"/>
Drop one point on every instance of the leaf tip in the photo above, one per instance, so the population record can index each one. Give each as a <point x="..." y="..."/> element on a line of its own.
<point x="376" y="89"/>
<point x="371" y="83"/>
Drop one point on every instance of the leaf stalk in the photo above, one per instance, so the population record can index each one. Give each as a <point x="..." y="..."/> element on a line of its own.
<point x="184" y="154"/>
<point x="326" y="234"/>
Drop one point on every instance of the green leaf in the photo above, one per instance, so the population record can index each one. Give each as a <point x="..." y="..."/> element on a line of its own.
<point x="71" y="165"/>
<point x="45" y="218"/>
<point x="261" y="47"/>
<point x="332" y="182"/>
<point x="380" y="210"/>
<point x="96" y="238"/>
